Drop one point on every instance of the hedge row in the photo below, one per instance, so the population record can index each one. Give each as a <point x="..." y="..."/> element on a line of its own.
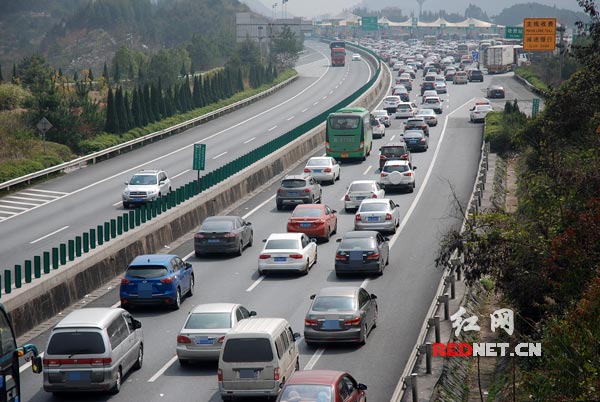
<point x="54" y="154"/>
<point x="532" y="77"/>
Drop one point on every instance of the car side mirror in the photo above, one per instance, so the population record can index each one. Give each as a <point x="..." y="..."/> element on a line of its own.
<point x="36" y="364"/>
<point x="338" y="240"/>
<point x="161" y="182"/>
<point x="313" y="240"/>
<point x="126" y="183"/>
<point x="297" y="336"/>
<point x="137" y="324"/>
<point x="396" y="206"/>
<point x="386" y="239"/>
<point x="188" y="264"/>
<point x="264" y="240"/>
<point x="312" y="297"/>
<point x="248" y="223"/>
<point x="414" y="168"/>
<point x="333" y="211"/>
<point x="373" y="296"/>
<point x="362" y="387"/>
<point x="252" y="313"/>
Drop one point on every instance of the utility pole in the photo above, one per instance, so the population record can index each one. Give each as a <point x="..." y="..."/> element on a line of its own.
<point x="561" y="51"/>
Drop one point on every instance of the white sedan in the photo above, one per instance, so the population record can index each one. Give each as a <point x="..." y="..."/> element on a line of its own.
<point x="356" y="57"/>
<point x="323" y="168"/>
<point x="287" y="252"/>
<point x="360" y="190"/>
<point x="478" y="112"/>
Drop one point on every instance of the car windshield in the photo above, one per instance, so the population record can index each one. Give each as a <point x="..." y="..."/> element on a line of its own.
<point x="307" y="213"/>
<point x="146" y="271"/>
<point x="360" y="187"/>
<point x="373" y="207"/>
<point x="319" y="162"/>
<point x="306" y="392"/>
<point x="393" y="151"/>
<point x="142" y="179"/>
<point x="293" y="183"/>
<point x="217" y="226"/>
<point x="246" y="350"/>
<point x="282" y="244"/>
<point x="208" y="321"/>
<point x="395" y="168"/>
<point x="366" y="243"/>
<point x="76" y="342"/>
<point x="333" y="303"/>
<point x="344" y="122"/>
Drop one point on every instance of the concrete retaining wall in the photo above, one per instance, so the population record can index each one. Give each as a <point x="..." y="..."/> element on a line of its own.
<point x="44" y="298"/>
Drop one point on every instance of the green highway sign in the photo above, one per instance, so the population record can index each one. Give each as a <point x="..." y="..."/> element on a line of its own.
<point x="199" y="156"/>
<point x="536" y="107"/>
<point x="369" y="24"/>
<point x="513" y="32"/>
<point x="415" y="21"/>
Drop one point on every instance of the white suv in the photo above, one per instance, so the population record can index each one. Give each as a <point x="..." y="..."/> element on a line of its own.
<point x="398" y="174"/>
<point x="433" y="102"/>
<point x="146" y="186"/>
<point x="390" y="103"/>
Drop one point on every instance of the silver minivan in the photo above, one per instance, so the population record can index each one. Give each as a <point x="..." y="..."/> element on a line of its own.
<point x="91" y="349"/>
<point x="257" y="356"/>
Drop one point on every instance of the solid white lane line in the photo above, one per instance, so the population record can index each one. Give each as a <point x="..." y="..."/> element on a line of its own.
<point x="218" y="156"/>
<point x="330" y="92"/>
<point x="367" y="170"/>
<point x="117" y="304"/>
<point x="272" y="128"/>
<point x="313" y="360"/>
<point x="259" y="206"/>
<point x="23" y="203"/>
<point x="250" y="140"/>
<point x="39" y="195"/>
<point x="47" y="191"/>
<point x="179" y="174"/>
<point x="8" y="212"/>
<point x="48" y="235"/>
<point x="290" y="118"/>
<point x="28" y="364"/>
<point x="255" y="284"/>
<point x="304" y="110"/>
<point x="116" y="204"/>
<point x="163" y="369"/>
<point x="364" y="283"/>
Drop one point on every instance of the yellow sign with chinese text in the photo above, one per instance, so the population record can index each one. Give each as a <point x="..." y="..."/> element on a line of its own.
<point x="539" y="34"/>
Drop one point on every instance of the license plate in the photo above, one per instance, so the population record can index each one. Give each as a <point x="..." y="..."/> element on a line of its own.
<point x="137" y="199"/>
<point x="305" y="225"/>
<point x="361" y="197"/>
<point x="76" y="375"/>
<point x="317" y="170"/>
<point x="204" y="341"/>
<point x="248" y="373"/>
<point x="344" y="154"/>
<point x="331" y="324"/>
<point x="145" y="294"/>
<point x="213" y="240"/>
<point x="280" y="259"/>
<point x="372" y="218"/>
<point x="292" y="193"/>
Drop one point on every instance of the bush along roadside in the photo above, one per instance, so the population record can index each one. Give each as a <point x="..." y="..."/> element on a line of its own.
<point x="501" y="128"/>
<point x="533" y="78"/>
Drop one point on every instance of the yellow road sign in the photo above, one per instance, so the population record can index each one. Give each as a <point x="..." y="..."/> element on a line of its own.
<point x="539" y="34"/>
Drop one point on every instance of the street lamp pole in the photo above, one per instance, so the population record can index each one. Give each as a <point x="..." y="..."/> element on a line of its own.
<point x="273" y="8"/>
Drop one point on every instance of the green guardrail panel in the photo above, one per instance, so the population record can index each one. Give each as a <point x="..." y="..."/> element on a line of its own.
<point x="28" y="271"/>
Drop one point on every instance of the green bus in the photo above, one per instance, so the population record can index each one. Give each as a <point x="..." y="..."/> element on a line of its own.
<point x="10" y="379"/>
<point x="348" y="134"/>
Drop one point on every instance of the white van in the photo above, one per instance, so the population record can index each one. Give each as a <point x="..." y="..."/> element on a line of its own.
<point x="257" y="356"/>
<point x="91" y="349"/>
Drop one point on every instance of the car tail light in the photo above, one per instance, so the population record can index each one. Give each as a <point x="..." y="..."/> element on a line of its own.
<point x="327" y="170"/>
<point x="167" y="280"/>
<point x="264" y="256"/>
<point x="404" y="157"/>
<point x="101" y="361"/>
<point x="388" y="217"/>
<point x="199" y="236"/>
<point x="408" y="174"/>
<point x="354" y="321"/>
<point x="125" y="281"/>
<point x="307" y="190"/>
<point x="373" y="195"/>
<point x="309" y="323"/>
<point x="219" y="375"/>
<point x="51" y="362"/>
<point x="296" y="256"/>
<point x="362" y="145"/>
<point x="374" y="256"/>
<point x="357" y="217"/>
<point x="307" y="170"/>
<point x="422" y="140"/>
<point x="341" y="257"/>
<point x="279" y="191"/>
<point x="183" y="339"/>
<point x="346" y="197"/>
<point x="276" y="375"/>
<point x="383" y="174"/>
<point x="382" y="157"/>
<point x="221" y="340"/>
<point x="230" y="234"/>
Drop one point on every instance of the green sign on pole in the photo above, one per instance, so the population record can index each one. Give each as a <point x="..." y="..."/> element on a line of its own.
<point x="414" y="22"/>
<point x="536" y="107"/>
<point x="513" y="32"/>
<point x="369" y="24"/>
<point x="199" y="156"/>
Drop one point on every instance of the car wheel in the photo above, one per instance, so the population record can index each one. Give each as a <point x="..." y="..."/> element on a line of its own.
<point x="297" y="364"/>
<point x="190" y="292"/>
<point x="327" y="236"/>
<point x="411" y="188"/>
<point x="375" y="316"/>
<point x="380" y="272"/>
<point x="310" y="343"/>
<point x="279" y="206"/>
<point x="334" y="229"/>
<point x="251" y="241"/>
<point x="338" y="274"/>
<point x="198" y="254"/>
<point x="364" y="333"/>
<point x="140" y="358"/>
<point x="338" y="176"/>
<point x="240" y="249"/>
<point x="126" y="205"/>
<point x="306" y="268"/>
<point x="260" y="272"/>
<point x="177" y="303"/>
<point x="184" y="362"/>
<point x="117" y="385"/>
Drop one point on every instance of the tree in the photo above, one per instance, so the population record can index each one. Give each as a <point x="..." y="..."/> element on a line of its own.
<point x="105" y="73"/>
<point x="161" y="101"/>
<point x="155" y="102"/>
<point x="111" y="125"/>
<point x="121" y="108"/>
<point x="148" y="104"/>
<point x="130" y="73"/>
<point x="136" y="109"/>
<point x="1" y="78"/>
<point x="90" y="75"/>
<point x="284" y="52"/>
<point x="34" y="73"/>
<point x="117" y="73"/>
<point x="144" y="120"/>
<point x="130" y="120"/>
<point x="14" y="74"/>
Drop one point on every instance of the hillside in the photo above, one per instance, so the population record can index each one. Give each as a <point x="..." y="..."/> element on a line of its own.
<point x="514" y="15"/>
<point x="76" y="34"/>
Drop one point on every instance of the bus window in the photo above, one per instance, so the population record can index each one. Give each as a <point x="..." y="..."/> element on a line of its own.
<point x="344" y="123"/>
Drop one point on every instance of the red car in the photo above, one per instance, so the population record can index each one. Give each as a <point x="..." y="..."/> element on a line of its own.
<point x="322" y="386"/>
<point x="314" y="220"/>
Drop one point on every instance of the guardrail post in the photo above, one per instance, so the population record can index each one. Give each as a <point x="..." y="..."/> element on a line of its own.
<point x="77" y="246"/>
<point x="113" y="228"/>
<point x="452" y="278"/>
<point x="142" y="215"/>
<point x="107" y="231"/>
<point x="149" y="211"/>
<point x="27" y="271"/>
<point x="125" y="219"/>
<point x="132" y="223"/>
<point x="119" y="225"/>
<point x="138" y="216"/>
<point x="37" y="266"/>
<point x="62" y="254"/>
<point x="414" y="387"/>
<point x="71" y="248"/>
<point x="55" y="258"/>
<point x="18" y="277"/>
<point x="446" y="300"/>
<point x="7" y="281"/>
<point x="428" y="353"/>
<point x="163" y="203"/>
<point x="92" y="238"/>
<point x="435" y="322"/>
<point x="100" y="231"/>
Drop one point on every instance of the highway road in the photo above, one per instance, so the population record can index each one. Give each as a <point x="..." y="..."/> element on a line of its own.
<point x="445" y="175"/>
<point x="41" y="217"/>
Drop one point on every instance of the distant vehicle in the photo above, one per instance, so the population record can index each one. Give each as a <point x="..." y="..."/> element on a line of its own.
<point x="322" y="386"/>
<point x="429" y="92"/>
<point x="356" y="57"/>
<point x="338" y="56"/>
<point x="460" y="77"/>
<point x="377" y="127"/>
<point x="393" y="151"/>
<point x="433" y="102"/>
<point x="360" y="190"/>
<point x="478" y="113"/>
<point x="496" y="92"/>
<point x="382" y="215"/>
<point x="406" y="110"/>
<point x="428" y="115"/>
<point x="429" y="86"/>
<point x="475" y="75"/>
<point x="390" y="103"/>
<point x="416" y="140"/>
<point x="383" y="116"/>
<point x="440" y="87"/>
<point x="223" y="234"/>
<point x="417" y="123"/>
<point x="500" y="59"/>
<point x="337" y="44"/>
<point x="298" y="189"/>
<point x="145" y="186"/>
<point x="348" y="134"/>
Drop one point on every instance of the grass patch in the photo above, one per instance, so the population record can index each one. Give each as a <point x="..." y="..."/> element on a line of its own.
<point x="532" y="77"/>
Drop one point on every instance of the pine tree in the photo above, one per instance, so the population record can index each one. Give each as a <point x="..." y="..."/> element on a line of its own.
<point x="105" y="73"/>
<point x="196" y="93"/>
<point x="60" y="73"/>
<point x="175" y="97"/>
<point x="240" y="80"/>
<point x="141" y="74"/>
<point x="135" y="109"/>
<point x="154" y="101"/>
<point x="1" y="79"/>
<point x="148" y="104"/>
<point x="14" y="73"/>
<point x="143" y="112"/>
<point x="131" y="73"/>
<point x="161" y="100"/>
<point x="117" y="73"/>
<point x="121" y="111"/>
<point x="111" y="124"/>
<point x="183" y="72"/>
<point x="130" y="119"/>
<point x="75" y="76"/>
<point x="90" y="75"/>
<point x="192" y="68"/>
<point x="203" y="101"/>
<point x="168" y="99"/>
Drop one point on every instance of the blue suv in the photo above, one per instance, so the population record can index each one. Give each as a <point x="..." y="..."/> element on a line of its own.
<point x="156" y="279"/>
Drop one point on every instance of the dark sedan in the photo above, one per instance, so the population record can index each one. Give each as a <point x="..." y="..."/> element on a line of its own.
<point x="362" y="252"/>
<point x="223" y="234"/>
<point x="416" y="140"/>
<point x="496" y="92"/>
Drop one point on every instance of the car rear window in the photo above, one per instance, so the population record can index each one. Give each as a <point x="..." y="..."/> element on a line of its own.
<point x="333" y="303"/>
<point x="390" y="99"/>
<point x="217" y="226"/>
<point x="208" y="321"/>
<point x="307" y="213"/>
<point x="146" y="271"/>
<point x="404" y="107"/>
<point x="360" y="187"/>
<point x="431" y="101"/>
<point x="293" y="183"/>
<point x="246" y="350"/>
<point x="393" y="151"/>
<point x="357" y="244"/>
<point x="395" y="168"/>
<point x="76" y="343"/>
<point x="373" y="207"/>
<point x="319" y="162"/>
<point x="282" y="244"/>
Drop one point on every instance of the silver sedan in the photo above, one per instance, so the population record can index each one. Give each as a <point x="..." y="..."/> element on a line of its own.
<point x="377" y="214"/>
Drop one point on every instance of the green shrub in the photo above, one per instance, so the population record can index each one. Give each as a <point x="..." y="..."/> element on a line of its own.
<point x="14" y="169"/>
<point x="100" y="142"/>
<point x="532" y="77"/>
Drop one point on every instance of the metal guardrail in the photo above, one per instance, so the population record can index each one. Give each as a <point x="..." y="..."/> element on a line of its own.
<point x="82" y="161"/>
<point x="451" y="274"/>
